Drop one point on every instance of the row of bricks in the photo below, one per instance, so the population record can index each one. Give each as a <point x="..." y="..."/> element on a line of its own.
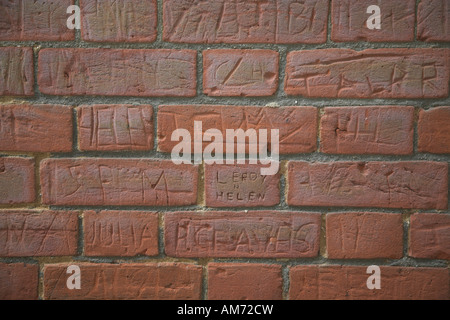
<point x="147" y="182"/>
<point x="226" y="21"/>
<point x="384" y="130"/>
<point x="223" y="234"/>
<point x="329" y="73"/>
<point x="229" y="281"/>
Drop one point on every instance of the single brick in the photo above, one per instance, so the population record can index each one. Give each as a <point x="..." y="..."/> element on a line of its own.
<point x="240" y="185"/>
<point x="350" y="283"/>
<point x="164" y="281"/>
<point x="19" y="281"/>
<point x="224" y="21"/>
<point x="118" y="20"/>
<point x="36" y="128"/>
<point x="120" y="233"/>
<point x="408" y="185"/>
<point x="233" y="72"/>
<point x="364" y="235"/>
<point x="368" y="130"/>
<point x="16" y="71"/>
<point x="429" y="236"/>
<point x="297" y="125"/>
<point x="17" y="180"/>
<point x="239" y="281"/>
<point x="115" y="127"/>
<point x="38" y="234"/>
<point x="118" y="72"/>
<point x="434" y="130"/>
<point x="349" y="19"/>
<point x="38" y="20"/>
<point x="433" y="20"/>
<point x="242" y="234"/>
<point x="121" y="182"/>
<point x="368" y="74"/>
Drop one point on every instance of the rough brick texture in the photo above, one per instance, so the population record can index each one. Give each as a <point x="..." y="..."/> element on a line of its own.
<point x="434" y="130"/>
<point x="165" y="281"/>
<point x="368" y="74"/>
<point x="117" y="182"/>
<point x="236" y="281"/>
<point x="242" y="234"/>
<point x="429" y="236"/>
<point x="433" y="20"/>
<point x="16" y="72"/>
<point x="120" y="233"/>
<point x="117" y="72"/>
<point x="17" y="183"/>
<point x="19" y="281"/>
<point x="350" y="283"/>
<point x="115" y="127"/>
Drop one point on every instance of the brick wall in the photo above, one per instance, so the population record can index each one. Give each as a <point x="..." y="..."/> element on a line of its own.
<point x="86" y="177"/>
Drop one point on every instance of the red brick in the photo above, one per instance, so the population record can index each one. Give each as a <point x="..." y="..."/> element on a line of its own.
<point x="240" y="186"/>
<point x="434" y="130"/>
<point x="17" y="180"/>
<point x="433" y="20"/>
<point x="368" y="130"/>
<point x="233" y="72"/>
<point x="364" y="235"/>
<point x="115" y="127"/>
<point x="408" y="185"/>
<point x="239" y="281"/>
<point x="39" y="20"/>
<point x="16" y="71"/>
<point x="38" y="234"/>
<point x="121" y="182"/>
<point x="349" y="19"/>
<point x="350" y="283"/>
<point x="120" y="233"/>
<point x="117" y="72"/>
<point x="368" y="74"/>
<point x="242" y="234"/>
<point x="223" y="21"/>
<point x="36" y="128"/>
<point x="19" y="281"/>
<point x="165" y="281"/>
<point x="297" y="125"/>
<point x="429" y="235"/>
<point x="118" y="20"/>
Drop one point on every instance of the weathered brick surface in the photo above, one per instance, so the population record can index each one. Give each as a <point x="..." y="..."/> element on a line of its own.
<point x="118" y="182"/>
<point x="115" y="127"/>
<point x="117" y="72"/>
<point x="239" y="281"/>
<point x="297" y="125"/>
<point x="349" y="20"/>
<point x="372" y="73"/>
<point x="242" y="234"/>
<point x="38" y="234"/>
<point x="16" y="71"/>
<point x="350" y="283"/>
<point x="364" y="235"/>
<point x="19" y="281"/>
<point x="232" y="72"/>
<point x="164" y="281"/>
<point x="36" y="128"/>
<point x="367" y="130"/>
<point x="429" y="236"/>
<point x="225" y="21"/>
<point x="17" y="180"/>
<point x="120" y="233"/>
<point x="119" y="20"/>
<point x="415" y="185"/>
<point x="39" y="20"/>
<point x="240" y="186"/>
<point x="433" y="20"/>
<point x="434" y="130"/>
